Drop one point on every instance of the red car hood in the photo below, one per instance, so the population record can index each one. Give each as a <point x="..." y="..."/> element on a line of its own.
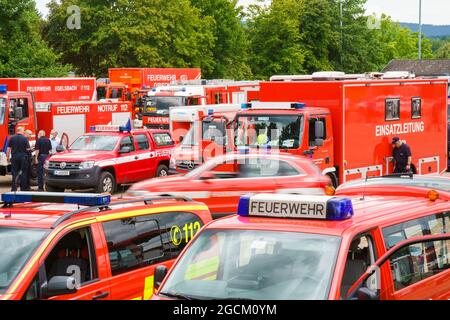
<point x="177" y="182"/>
<point x="80" y="156"/>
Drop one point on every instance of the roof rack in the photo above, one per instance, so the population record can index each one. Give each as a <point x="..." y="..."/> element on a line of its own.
<point x="101" y="208"/>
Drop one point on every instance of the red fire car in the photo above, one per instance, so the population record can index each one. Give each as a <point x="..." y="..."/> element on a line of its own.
<point x="109" y="157"/>
<point x="221" y="181"/>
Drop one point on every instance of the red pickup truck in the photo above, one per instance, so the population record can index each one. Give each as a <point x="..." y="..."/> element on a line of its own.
<point x="109" y="157"/>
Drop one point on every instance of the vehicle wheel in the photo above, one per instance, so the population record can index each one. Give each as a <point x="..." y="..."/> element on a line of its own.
<point x="106" y="183"/>
<point x="334" y="180"/>
<point x="162" y="171"/>
<point x="53" y="189"/>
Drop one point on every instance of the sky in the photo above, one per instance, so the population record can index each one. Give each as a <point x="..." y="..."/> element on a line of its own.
<point x="433" y="11"/>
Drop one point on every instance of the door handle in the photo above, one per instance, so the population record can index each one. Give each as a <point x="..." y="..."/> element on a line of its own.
<point x="101" y="295"/>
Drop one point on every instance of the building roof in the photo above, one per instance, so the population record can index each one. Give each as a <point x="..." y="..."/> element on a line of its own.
<point x="421" y="68"/>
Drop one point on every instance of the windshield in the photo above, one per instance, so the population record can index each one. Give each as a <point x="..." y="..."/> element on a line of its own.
<point x="95" y="143"/>
<point x="162" y="104"/>
<point x="260" y="265"/>
<point x="419" y="182"/>
<point x="16" y="247"/>
<point x="192" y="136"/>
<point x="276" y="131"/>
<point x="2" y="110"/>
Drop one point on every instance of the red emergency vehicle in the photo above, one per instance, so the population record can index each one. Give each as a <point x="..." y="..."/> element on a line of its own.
<point x="88" y="247"/>
<point x="157" y="102"/>
<point x="294" y="247"/>
<point x="108" y="157"/>
<point x="54" y="89"/>
<point x="346" y="123"/>
<point x="220" y="182"/>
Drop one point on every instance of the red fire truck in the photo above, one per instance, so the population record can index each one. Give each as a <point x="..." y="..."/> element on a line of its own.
<point x="54" y="89"/>
<point x="345" y="123"/>
<point x="124" y="82"/>
<point x="202" y="132"/>
<point x="157" y="102"/>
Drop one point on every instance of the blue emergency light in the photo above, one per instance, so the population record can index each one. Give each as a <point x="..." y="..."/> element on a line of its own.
<point x="246" y="106"/>
<point x="3" y="88"/>
<point x="298" y="105"/>
<point x="82" y="199"/>
<point x="210" y="112"/>
<point x="296" y="207"/>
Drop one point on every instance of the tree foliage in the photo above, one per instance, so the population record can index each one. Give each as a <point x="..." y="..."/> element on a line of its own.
<point x="23" y="53"/>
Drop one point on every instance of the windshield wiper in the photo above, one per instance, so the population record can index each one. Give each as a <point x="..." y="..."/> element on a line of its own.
<point x="177" y="296"/>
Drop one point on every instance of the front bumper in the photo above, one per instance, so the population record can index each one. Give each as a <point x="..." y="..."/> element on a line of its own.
<point x="78" y="179"/>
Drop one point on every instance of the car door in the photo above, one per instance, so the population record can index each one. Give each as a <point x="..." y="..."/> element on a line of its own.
<point x="145" y="158"/>
<point x="127" y="164"/>
<point x="78" y="253"/>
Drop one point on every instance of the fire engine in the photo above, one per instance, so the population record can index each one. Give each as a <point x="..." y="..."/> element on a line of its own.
<point x="157" y="102"/>
<point x="125" y="82"/>
<point x="201" y="132"/>
<point x="54" y="89"/>
<point x="345" y="123"/>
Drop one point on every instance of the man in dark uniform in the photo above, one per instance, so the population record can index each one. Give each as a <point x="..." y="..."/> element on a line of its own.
<point x="43" y="148"/>
<point x="18" y="148"/>
<point x="402" y="156"/>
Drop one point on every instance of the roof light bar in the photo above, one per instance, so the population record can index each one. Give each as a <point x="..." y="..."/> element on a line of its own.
<point x="296" y="207"/>
<point x="82" y="199"/>
<point x="3" y="88"/>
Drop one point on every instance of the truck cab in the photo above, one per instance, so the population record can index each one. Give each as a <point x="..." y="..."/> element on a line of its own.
<point x="288" y="127"/>
<point x="16" y="109"/>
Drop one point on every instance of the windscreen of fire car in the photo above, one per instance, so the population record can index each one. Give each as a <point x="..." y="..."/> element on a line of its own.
<point x="162" y="104"/>
<point x="275" y="131"/>
<point x="16" y="248"/>
<point x="95" y="143"/>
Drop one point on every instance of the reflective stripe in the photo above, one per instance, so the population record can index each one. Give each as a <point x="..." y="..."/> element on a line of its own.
<point x="203" y="270"/>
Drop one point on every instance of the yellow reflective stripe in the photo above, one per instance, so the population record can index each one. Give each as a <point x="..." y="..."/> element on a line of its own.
<point x="137" y="213"/>
<point x="203" y="270"/>
<point x="148" y="289"/>
<point x="138" y="298"/>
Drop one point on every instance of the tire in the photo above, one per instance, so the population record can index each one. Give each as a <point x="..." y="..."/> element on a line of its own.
<point x="162" y="171"/>
<point x="53" y="189"/>
<point x="106" y="183"/>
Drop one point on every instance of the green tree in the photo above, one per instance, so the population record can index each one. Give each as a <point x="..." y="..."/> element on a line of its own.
<point x="443" y="52"/>
<point x="275" y="38"/>
<point x="131" y="33"/>
<point x="23" y="53"/>
<point x="231" y="44"/>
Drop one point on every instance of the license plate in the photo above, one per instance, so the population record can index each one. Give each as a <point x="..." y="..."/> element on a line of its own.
<point x="62" y="173"/>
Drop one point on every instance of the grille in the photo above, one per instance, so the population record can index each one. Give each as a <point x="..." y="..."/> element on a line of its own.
<point x="187" y="165"/>
<point x="69" y="165"/>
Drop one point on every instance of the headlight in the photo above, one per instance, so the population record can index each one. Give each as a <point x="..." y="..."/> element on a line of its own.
<point x="87" y="165"/>
<point x="46" y="164"/>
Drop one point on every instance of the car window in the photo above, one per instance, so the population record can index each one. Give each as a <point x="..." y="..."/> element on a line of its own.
<point x="142" y="142"/>
<point x="73" y="255"/>
<point x="260" y="167"/>
<point x="418" y="262"/>
<point x="127" y="142"/>
<point x="163" y="139"/>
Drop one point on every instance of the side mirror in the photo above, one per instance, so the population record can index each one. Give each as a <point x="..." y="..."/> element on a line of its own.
<point x="124" y="150"/>
<point x="18" y="113"/>
<point x="319" y="130"/>
<point x="160" y="274"/>
<point x="365" y="293"/>
<point x="60" y="149"/>
<point x="60" y="285"/>
<point x="318" y="142"/>
<point x="208" y="176"/>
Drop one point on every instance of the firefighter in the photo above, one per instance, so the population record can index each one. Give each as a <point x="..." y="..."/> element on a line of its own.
<point x="402" y="156"/>
<point x="18" y="148"/>
<point x="43" y="149"/>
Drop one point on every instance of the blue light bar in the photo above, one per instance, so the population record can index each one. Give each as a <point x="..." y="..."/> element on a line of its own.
<point x="298" y="105"/>
<point x="210" y="112"/>
<point x="82" y="199"/>
<point x="296" y="207"/>
<point x="245" y="106"/>
<point x="3" y="88"/>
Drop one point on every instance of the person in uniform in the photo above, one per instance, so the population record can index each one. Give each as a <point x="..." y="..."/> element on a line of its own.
<point x="17" y="151"/>
<point x="402" y="156"/>
<point x="43" y="149"/>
